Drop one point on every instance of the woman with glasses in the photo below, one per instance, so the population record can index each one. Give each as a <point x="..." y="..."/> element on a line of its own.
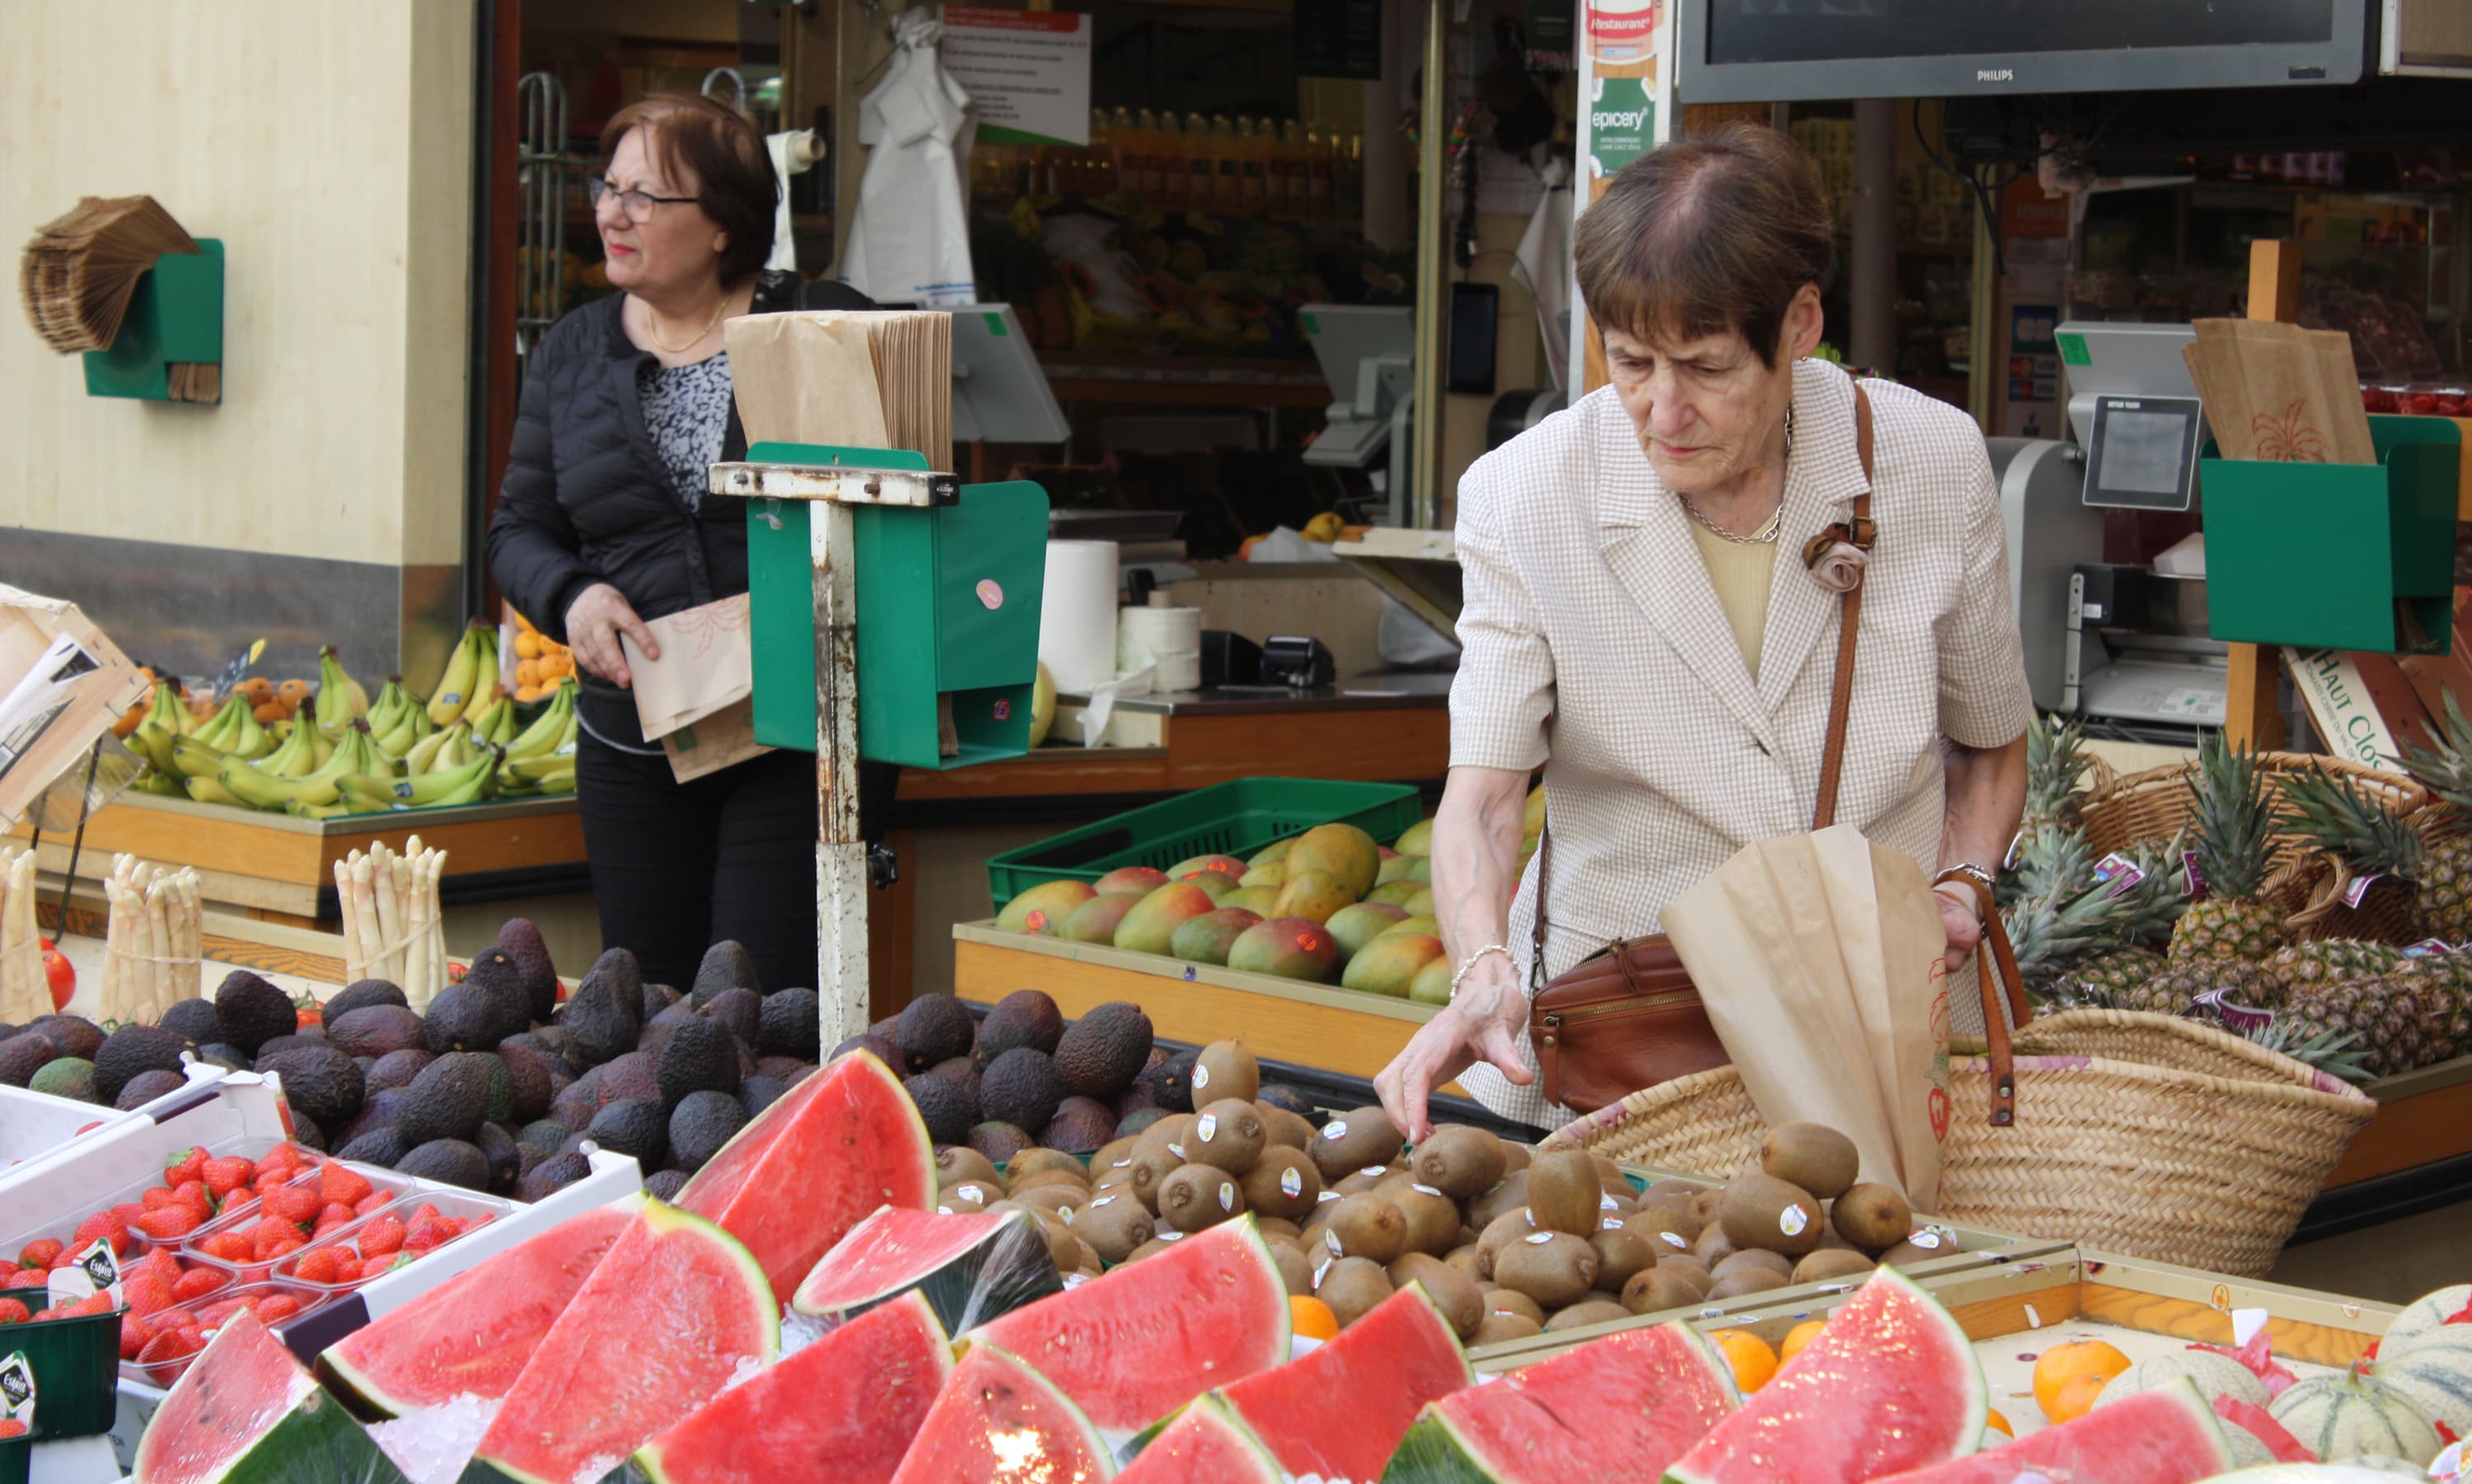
<point x="603" y="523"/>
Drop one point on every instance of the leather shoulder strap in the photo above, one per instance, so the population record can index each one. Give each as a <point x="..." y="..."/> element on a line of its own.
<point x="1841" y="695"/>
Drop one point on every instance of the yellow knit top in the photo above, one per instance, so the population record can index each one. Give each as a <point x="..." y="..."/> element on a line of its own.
<point x="1741" y="573"/>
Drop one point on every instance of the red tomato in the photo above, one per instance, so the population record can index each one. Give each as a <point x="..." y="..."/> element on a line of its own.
<point x="61" y="973"/>
<point x="2450" y="407"/>
<point x="2420" y="405"/>
<point x="2377" y="399"/>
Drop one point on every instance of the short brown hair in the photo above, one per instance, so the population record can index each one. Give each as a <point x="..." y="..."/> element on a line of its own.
<point x="1712" y="233"/>
<point x="725" y="152"/>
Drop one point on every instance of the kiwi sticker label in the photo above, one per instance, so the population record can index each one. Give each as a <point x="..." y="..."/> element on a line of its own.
<point x="1611" y="1223"/>
<point x="1793" y="1220"/>
<point x="1374" y="1171"/>
<point x="1926" y="1239"/>
<point x="1607" y="1201"/>
<point x="1290" y="1183"/>
<point x="1176" y="1150"/>
<point x="1537" y="1238"/>
<point x="1207" y="1126"/>
<point x="1102" y="1201"/>
<point x="1674" y="1240"/>
<point x="1227" y="1197"/>
<point x="1334" y="1131"/>
<point x="1200" y="1076"/>
<point x="1330" y="1240"/>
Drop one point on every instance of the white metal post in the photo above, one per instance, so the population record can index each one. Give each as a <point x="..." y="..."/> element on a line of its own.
<point x="841" y="850"/>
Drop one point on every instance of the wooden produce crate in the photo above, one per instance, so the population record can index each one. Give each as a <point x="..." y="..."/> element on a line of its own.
<point x="276" y="863"/>
<point x="1318" y="1025"/>
<point x="2424" y="1116"/>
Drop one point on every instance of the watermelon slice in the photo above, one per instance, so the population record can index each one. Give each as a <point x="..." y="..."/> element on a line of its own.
<point x="1621" y="1407"/>
<point x="1890" y="1385"/>
<point x="970" y="1267"/>
<point x="471" y="1334"/>
<point x="247" y="1413"/>
<point x="2165" y="1436"/>
<point x="1141" y="1342"/>
<point x="1205" y="1444"/>
<point x="816" y="1164"/>
<point x="662" y="1325"/>
<point x="1340" y="1410"/>
<point x="844" y="1408"/>
<point x="999" y="1422"/>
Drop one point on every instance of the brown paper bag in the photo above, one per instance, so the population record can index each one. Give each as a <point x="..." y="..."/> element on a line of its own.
<point x="860" y="379"/>
<point x="2277" y="393"/>
<point x="724" y="738"/>
<point x="1819" y="958"/>
<point x="707" y="662"/>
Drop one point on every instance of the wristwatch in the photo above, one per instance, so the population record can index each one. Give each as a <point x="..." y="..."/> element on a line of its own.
<point x="1967" y="871"/>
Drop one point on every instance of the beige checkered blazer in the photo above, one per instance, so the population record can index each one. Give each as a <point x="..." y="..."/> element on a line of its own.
<point x="1594" y="647"/>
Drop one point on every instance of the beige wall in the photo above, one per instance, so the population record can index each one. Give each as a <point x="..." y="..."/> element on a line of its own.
<point x="329" y="145"/>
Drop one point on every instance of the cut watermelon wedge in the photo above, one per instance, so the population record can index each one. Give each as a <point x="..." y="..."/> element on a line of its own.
<point x="1141" y="1342"/>
<point x="816" y="1164"/>
<point x="2165" y="1436"/>
<point x="472" y="1335"/>
<point x="999" y="1422"/>
<point x="1205" y="1444"/>
<point x="1340" y="1410"/>
<point x="247" y="1413"/>
<point x="845" y="1408"/>
<point x="969" y="1267"/>
<point x="1621" y="1407"/>
<point x="662" y="1325"/>
<point x="1890" y="1385"/>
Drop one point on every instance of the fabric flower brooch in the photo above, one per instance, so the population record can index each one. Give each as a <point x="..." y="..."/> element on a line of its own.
<point x="1837" y="555"/>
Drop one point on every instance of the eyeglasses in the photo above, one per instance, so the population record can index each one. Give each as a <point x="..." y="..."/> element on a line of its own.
<point x="637" y="205"/>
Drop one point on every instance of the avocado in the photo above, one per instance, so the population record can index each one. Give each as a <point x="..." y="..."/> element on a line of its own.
<point x="378" y="1111"/>
<point x="253" y="1012"/>
<point x="230" y="1058"/>
<point x="74" y="1035"/>
<point x="603" y="1018"/>
<point x="636" y="1074"/>
<point x="1176" y="1082"/>
<point x="1024" y="1017"/>
<point x="361" y="993"/>
<point x="700" y="1057"/>
<point x="195" y="1019"/>
<point x="139" y="1048"/>
<point x="523" y="943"/>
<point x="639" y="1126"/>
<point x="375" y="1030"/>
<point x="1000" y="1144"/>
<point x="551" y="1175"/>
<point x="546" y="1135"/>
<point x="474" y="1016"/>
<point x="495" y="971"/>
<point x="700" y="1125"/>
<point x="143" y="1089"/>
<point x="875" y="1044"/>
<point x="449" y="1161"/>
<point x="446" y="1100"/>
<point x="575" y="1105"/>
<point x="498" y="1104"/>
<point x="665" y="1185"/>
<point x="942" y="1107"/>
<point x="1020" y="1088"/>
<point x="311" y="1035"/>
<point x="788" y="1025"/>
<point x="23" y="1055"/>
<point x="497" y="1145"/>
<point x="759" y="1093"/>
<point x="1100" y="1054"/>
<point x="381" y="1146"/>
<point x="396" y="1070"/>
<point x="320" y="1082"/>
<point x="964" y="1074"/>
<point x="726" y="965"/>
<point x="659" y="997"/>
<point x="933" y="1028"/>
<point x="529" y="1078"/>
<point x="69" y="1076"/>
<point x="1080" y="1125"/>
<point x="741" y="1010"/>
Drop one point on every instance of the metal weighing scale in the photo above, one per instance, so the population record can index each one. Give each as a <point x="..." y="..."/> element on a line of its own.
<point x="2121" y="646"/>
<point x="1368" y="357"/>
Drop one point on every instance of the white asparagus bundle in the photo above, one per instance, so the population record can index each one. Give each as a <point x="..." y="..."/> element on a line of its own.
<point x="154" y="941"/>
<point x="393" y="927"/>
<point x="25" y="988"/>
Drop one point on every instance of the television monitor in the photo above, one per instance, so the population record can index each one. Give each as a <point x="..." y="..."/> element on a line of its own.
<point x="1773" y="51"/>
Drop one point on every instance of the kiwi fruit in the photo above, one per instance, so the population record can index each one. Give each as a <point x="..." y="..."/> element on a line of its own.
<point x="1506" y="1228"/>
<point x="1503" y="1328"/>
<point x="1554" y="1268"/>
<point x="1060" y="1198"/>
<point x="1198" y="1196"/>
<point x="1433" y="1219"/>
<point x="958" y="1162"/>
<point x="1510" y="1300"/>
<point x="1562" y="1192"/>
<point x="1368" y="1227"/>
<point x="1035" y="1161"/>
<point x="1621" y="1252"/>
<point x="1460" y="1162"/>
<point x="1273" y="1229"/>
<point x="1365" y="1182"/>
<point x="1283" y="1128"/>
<point x="1453" y="1292"/>
<point x="1283" y="1183"/>
<point x="1610" y="1177"/>
<point x="1296" y="1269"/>
<point x="1511" y="1194"/>
<point x="1673" y="1187"/>
<point x="1110" y="1155"/>
<point x="1812" y="1156"/>
<point x="1831" y="1262"/>
<point x="1654" y="1290"/>
<point x="1713" y="1246"/>
<point x="970" y="1195"/>
<point x="1691" y="1270"/>
<point x="1872" y="1217"/>
<point x="1754" y="1258"/>
<point x="1470" y="1262"/>
<point x="1353" y="1141"/>
<point x="1907" y="1253"/>
<point x="1061" y="1244"/>
<point x="1227" y="1135"/>
<point x="1089" y="1260"/>
<point x="1588" y="1311"/>
<point x="1705" y="1205"/>
<point x="1764" y="1212"/>
<point x="1515" y="1158"/>
<point x="1113" y="1225"/>
<point x="1154" y="1246"/>
<point x="1743" y="1281"/>
<point x="1226" y="1069"/>
<point x="1659" y="1218"/>
<point x="1352" y="1286"/>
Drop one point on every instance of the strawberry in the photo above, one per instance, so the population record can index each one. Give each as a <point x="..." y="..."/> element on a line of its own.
<point x="170" y="1224"/>
<point x="213" y="1315"/>
<point x="276" y="1309"/>
<point x="238" y="1202"/>
<point x="42" y="1314"/>
<point x="372" y="1202"/>
<point x="294" y="1204"/>
<point x="11" y="1312"/>
<point x="197" y="1282"/>
<point x="381" y="1237"/>
<point x="234" y="1246"/>
<point x="195" y="1195"/>
<point x="135" y="1333"/>
<point x="157" y="1197"/>
<point x="271" y="1180"/>
<point x="160" y="1263"/>
<point x="428" y="1235"/>
<point x="90" y="1305"/>
<point x="38" y="1254"/>
<point x="317" y="1266"/>
<point x="282" y="1160"/>
<point x="169" y="1345"/>
<point x="227" y="1174"/>
<point x="147" y="1293"/>
<point x="182" y="1169"/>
<point x="129" y="1210"/>
<point x="285" y="1246"/>
<point x="341" y="1185"/>
<point x="266" y="1232"/>
<point x="102" y="1225"/>
<point x="27" y="1278"/>
<point x="66" y="1258"/>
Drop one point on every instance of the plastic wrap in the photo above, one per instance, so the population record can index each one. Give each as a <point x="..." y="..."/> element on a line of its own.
<point x="968" y="1267"/>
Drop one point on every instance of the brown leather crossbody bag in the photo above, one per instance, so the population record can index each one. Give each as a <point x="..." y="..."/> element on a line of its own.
<point x="1629" y="1016"/>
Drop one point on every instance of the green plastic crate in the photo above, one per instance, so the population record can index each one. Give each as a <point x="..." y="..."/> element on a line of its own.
<point x="1236" y="817"/>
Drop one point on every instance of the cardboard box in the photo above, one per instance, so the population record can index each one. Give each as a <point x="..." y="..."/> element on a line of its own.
<point x="61" y="685"/>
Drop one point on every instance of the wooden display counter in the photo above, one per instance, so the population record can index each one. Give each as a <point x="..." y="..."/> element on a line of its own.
<point x="2423" y="1118"/>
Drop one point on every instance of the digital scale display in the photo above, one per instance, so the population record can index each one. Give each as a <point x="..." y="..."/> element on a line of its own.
<point x="2144" y="452"/>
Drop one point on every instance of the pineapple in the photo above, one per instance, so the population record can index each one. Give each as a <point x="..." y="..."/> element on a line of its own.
<point x="2336" y="1054"/>
<point x="2309" y="967"/>
<point x="2055" y="769"/>
<point x="2185" y="987"/>
<point x="2155" y="904"/>
<point x="2445" y="903"/>
<point x="2107" y="981"/>
<point x="2370" y="840"/>
<point x="2233" y="825"/>
<point x="2406" y="1019"/>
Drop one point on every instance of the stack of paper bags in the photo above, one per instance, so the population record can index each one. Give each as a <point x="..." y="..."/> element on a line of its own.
<point x="849" y="379"/>
<point x="2279" y="393"/>
<point x="77" y="275"/>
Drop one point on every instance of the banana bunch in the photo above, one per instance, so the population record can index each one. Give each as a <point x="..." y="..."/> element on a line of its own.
<point x="541" y="758"/>
<point x="398" y="720"/>
<point x="470" y="684"/>
<point x="233" y="729"/>
<point x="340" y="697"/>
<point x="293" y="775"/>
<point x="469" y="783"/>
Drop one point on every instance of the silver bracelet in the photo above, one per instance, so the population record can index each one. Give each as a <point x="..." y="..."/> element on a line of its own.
<point x="1470" y="962"/>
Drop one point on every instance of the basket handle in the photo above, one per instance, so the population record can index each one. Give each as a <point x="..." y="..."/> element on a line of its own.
<point x="2000" y="963"/>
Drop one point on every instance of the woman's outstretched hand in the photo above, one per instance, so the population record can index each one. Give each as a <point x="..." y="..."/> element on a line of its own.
<point x="594" y="620"/>
<point x="1483" y="1022"/>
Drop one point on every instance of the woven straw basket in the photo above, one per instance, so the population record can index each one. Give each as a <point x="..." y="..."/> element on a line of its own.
<point x="2139" y="1133"/>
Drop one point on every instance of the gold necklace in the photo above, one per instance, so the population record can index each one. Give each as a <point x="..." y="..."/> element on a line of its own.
<point x="651" y="332"/>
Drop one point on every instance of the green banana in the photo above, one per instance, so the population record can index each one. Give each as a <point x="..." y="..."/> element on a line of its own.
<point x="453" y="693"/>
<point x="295" y="759"/>
<point x="340" y="697"/>
<point x="153" y="741"/>
<point x="500" y="714"/>
<point x="209" y="791"/>
<point x="166" y="785"/>
<point x="222" y="731"/>
<point x="548" y="730"/>
<point x="396" y="739"/>
<point x="192" y="758"/>
<point x="169" y="711"/>
<point x="423" y="752"/>
<point x="559" y="782"/>
<point x="485" y="676"/>
<point x="531" y="770"/>
<point x="428" y="788"/>
<point x="316" y="811"/>
<point x="254" y="788"/>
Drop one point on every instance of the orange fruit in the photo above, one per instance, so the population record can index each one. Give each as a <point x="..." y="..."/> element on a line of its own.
<point x="1749" y="1356"/>
<point x="2001" y="1423"/>
<point x="1312" y="1318"/>
<point x="1800" y="1336"/>
<point x="2068" y="1378"/>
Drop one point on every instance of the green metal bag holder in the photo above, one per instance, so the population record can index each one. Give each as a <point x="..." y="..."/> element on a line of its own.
<point x="2338" y="556"/>
<point x="175" y="315"/>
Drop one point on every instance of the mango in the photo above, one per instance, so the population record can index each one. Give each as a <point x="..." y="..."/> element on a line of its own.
<point x="1277" y="851"/>
<point x="1207" y="938"/>
<point x="1432" y="985"/>
<point x="1133" y="880"/>
<point x="1272" y="875"/>
<point x="1312" y="894"/>
<point x="1186" y="870"/>
<point x="1152" y="922"/>
<point x="1095" y="921"/>
<point x="1388" y="964"/>
<point x="1424" y="924"/>
<point x="1397" y="893"/>
<point x="1421" y="905"/>
<point x="1421" y="868"/>
<point x="1044" y="907"/>
<point x="1355" y="927"/>
<point x="1216" y="883"/>
<point x="1347" y="853"/>
<point x="1256" y="899"/>
<point x="1418" y="839"/>
<point x="1290" y="947"/>
<point x="1396" y="868"/>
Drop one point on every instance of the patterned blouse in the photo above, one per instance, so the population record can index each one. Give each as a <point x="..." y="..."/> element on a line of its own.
<point x="686" y="412"/>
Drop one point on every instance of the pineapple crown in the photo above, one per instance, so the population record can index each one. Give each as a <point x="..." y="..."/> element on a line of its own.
<point x="2234" y="822"/>
<point x="2446" y="770"/>
<point x="2337" y="816"/>
<point x="2056" y="767"/>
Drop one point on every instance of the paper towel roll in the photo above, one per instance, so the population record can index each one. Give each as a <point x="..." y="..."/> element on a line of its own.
<point x="1167" y="639"/>
<point x="1077" y="619"/>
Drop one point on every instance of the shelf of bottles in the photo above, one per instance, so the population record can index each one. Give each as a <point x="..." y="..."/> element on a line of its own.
<point x="1215" y="164"/>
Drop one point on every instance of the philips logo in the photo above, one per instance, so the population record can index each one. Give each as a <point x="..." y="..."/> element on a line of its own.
<point x="1995" y="75"/>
